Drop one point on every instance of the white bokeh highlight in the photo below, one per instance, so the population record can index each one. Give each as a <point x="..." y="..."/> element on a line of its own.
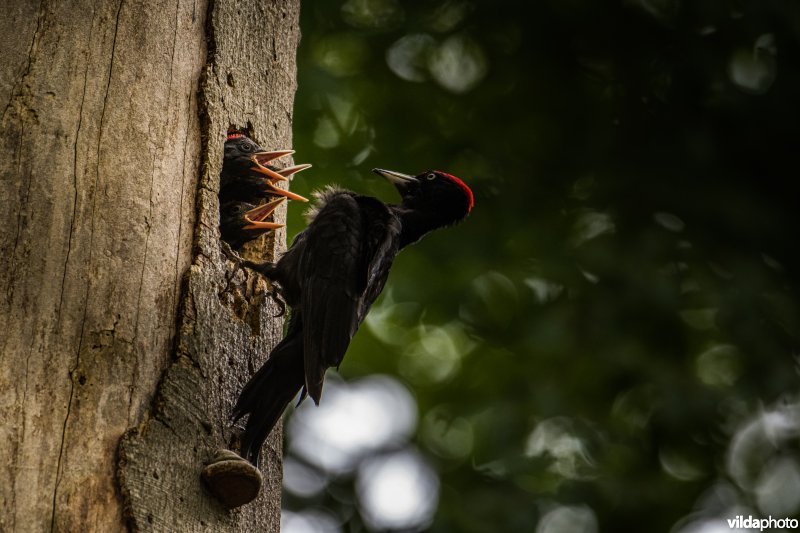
<point x="354" y="420"/>
<point x="398" y="491"/>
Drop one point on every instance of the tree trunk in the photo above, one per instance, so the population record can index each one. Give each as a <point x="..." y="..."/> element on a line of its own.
<point x="109" y="164"/>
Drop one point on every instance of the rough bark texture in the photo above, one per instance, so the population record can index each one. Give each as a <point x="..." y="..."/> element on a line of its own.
<point x="105" y="204"/>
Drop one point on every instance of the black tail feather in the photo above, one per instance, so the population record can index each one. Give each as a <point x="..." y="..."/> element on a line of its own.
<point x="270" y="390"/>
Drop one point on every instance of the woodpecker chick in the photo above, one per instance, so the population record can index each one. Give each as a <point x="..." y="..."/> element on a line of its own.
<point x="330" y="277"/>
<point x="247" y="175"/>
<point x="240" y="222"/>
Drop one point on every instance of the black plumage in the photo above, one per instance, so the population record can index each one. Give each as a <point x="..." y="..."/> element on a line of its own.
<point x="330" y="277"/>
<point x="247" y="175"/>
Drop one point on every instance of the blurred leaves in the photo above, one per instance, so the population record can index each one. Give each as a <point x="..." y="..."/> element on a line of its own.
<point x="610" y="340"/>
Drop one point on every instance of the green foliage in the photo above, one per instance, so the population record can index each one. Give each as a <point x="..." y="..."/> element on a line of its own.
<point x="624" y="297"/>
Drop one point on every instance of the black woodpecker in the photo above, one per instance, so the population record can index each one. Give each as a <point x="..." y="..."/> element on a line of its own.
<point x="330" y="277"/>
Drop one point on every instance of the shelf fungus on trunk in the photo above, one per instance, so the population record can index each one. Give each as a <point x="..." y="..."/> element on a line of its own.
<point x="231" y="479"/>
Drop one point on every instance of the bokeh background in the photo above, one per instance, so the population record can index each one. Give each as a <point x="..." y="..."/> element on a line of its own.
<point x="610" y="341"/>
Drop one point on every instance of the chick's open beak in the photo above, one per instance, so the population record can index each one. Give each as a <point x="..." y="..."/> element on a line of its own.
<point x="262" y="158"/>
<point x="290" y="171"/>
<point x="272" y="189"/>
<point x="260" y="161"/>
<point x="255" y="217"/>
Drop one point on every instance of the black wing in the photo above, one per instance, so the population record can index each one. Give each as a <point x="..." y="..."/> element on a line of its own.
<point x="348" y="237"/>
<point x="381" y="243"/>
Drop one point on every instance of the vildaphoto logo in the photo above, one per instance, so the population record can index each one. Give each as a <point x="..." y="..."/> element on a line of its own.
<point x="740" y="522"/>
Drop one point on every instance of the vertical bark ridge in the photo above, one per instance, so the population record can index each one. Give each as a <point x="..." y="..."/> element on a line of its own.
<point x="99" y="159"/>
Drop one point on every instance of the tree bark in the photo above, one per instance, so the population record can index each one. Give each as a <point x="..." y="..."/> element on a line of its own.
<point x="125" y="335"/>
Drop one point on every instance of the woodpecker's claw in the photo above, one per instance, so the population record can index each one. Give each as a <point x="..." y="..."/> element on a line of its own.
<point x="255" y="217"/>
<point x="275" y="295"/>
<point x="267" y="269"/>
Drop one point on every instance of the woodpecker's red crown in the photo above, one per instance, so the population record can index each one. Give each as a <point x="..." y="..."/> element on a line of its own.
<point x="463" y="186"/>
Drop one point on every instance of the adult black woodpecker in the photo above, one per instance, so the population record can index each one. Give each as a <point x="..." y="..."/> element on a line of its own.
<point x="330" y="276"/>
<point x="247" y="175"/>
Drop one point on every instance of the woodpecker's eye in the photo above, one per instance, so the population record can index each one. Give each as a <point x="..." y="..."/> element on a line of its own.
<point x="245" y="147"/>
<point x="430" y="176"/>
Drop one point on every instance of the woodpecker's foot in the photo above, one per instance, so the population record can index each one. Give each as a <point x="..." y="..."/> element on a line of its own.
<point x="265" y="268"/>
<point x="231" y="479"/>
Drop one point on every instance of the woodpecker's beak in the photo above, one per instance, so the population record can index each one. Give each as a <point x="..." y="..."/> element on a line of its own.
<point x="260" y="160"/>
<point x="395" y="177"/>
<point x="402" y="182"/>
<point x="272" y="189"/>
<point x="255" y="217"/>
<point x="288" y="172"/>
